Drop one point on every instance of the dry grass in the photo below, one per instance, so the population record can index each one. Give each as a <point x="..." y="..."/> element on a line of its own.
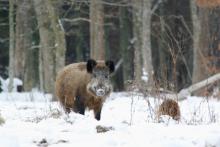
<point x="169" y="107"/>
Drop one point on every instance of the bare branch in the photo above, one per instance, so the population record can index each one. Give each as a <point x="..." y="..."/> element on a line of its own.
<point x="118" y="64"/>
<point x="156" y="6"/>
<point x="75" y="20"/>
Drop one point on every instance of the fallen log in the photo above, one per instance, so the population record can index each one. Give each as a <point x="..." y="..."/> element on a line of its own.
<point x="188" y="91"/>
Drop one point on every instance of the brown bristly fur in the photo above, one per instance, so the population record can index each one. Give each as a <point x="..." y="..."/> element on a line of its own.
<point x="169" y="107"/>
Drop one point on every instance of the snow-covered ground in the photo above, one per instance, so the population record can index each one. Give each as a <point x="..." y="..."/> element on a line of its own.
<point x="32" y="120"/>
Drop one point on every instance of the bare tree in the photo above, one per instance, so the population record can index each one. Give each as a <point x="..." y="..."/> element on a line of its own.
<point x="46" y="60"/>
<point x="197" y="66"/>
<point x="125" y="46"/>
<point x="60" y="43"/>
<point x="137" y="29"/>
<point x="22" y="29"/>
<point x="97" y="43"/>
<point x="25" y="67"/>
<point x="12" y="44"/>
<point x="146" y="42"/>
<point x="52" y="43"/>
<point x="141" y="30"/>
<point x="200" y="43"/>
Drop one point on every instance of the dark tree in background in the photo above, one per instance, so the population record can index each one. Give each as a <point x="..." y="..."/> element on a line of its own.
<point x="4" y="38"/>
<point x="172" y="44"/>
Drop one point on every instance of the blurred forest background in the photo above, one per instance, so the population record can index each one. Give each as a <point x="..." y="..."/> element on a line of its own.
<point x="174" y="43"/>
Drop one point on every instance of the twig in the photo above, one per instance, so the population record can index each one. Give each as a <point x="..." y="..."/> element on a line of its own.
<point x="117" y="66"/>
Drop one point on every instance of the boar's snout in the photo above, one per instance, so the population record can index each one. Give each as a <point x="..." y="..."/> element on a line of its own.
<point x="100" y="92"/>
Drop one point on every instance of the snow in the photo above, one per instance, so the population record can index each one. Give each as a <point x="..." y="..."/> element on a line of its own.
<point x="144" y="76"/>
<point x="5" y="83"/>
<point x="31" y="120"/>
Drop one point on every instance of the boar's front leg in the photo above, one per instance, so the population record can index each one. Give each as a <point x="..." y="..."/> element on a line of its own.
<point x="97" y="113"/>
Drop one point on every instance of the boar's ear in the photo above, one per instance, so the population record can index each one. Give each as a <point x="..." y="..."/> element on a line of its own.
<point x="110" y="64"/>
<point x="90" y="65"/>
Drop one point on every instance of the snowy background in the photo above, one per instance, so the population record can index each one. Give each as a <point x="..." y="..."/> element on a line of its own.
<point x="31" y="120"/>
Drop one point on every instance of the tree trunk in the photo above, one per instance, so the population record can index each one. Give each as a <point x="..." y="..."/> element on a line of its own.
<point x="20" y="47"/>
<point x="97" y="44"/>
<point x="198" y="65"/>
<point x="46" y="46"/>
<point x="60" y="43"/>
<point x="126" y="50"/>
<point x="31" y="71"/>
<point x="25" y="56"/>
<point x="52" y="44"/>
<point x="137" y="30"/>
<point x="11" y="45"/>
<point x="143" y="55"/>
<point x="200" y="69"/>
<point x="146" y="43"/>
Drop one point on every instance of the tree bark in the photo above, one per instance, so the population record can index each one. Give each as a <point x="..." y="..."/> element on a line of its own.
<point x="125" y="46"/>
<point x="97" y="44"/>
<point x="20" y="47"/>
<point x="11" y="44"/>
<point x="52" y="44"/>
<point x="141" y="32"/>
<point x="200" y="43"/>
<point x="60" y="43"/>
<point x="146" y="43"/>
<point x="46" y="46"/>
<point x="196" y="36"/>
<point x="137" y="30"/>
<point x="25" y="56"/>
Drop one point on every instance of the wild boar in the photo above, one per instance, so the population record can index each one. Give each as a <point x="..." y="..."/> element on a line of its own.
<point x="84" y="85"/>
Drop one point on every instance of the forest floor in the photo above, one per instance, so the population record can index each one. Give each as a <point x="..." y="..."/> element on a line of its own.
<point x="31" y="120"/>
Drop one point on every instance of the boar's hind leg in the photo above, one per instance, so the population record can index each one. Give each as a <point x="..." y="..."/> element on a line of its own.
<point x="79" y="106"/>
<point x="66" y="105"/>
<point x="67" y="110"/>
